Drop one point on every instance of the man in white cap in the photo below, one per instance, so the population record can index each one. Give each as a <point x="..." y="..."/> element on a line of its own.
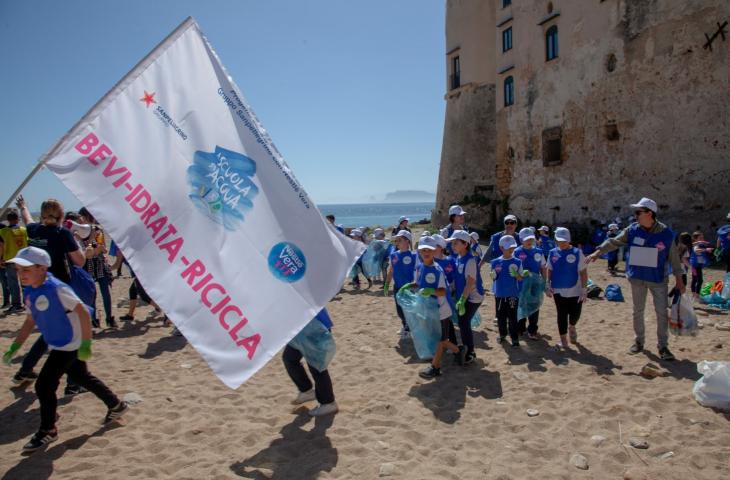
<point x="456" y="222"/>
<point x="510" y="228"/>
<point x="402" y="225"/>
<point x="652" y="250"/>
<point x="723" y="242"/>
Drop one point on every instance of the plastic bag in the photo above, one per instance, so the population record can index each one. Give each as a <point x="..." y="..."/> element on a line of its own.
<point x="713" y="389"/>
<point x="725" y="294"/>
<point x="531" y="296"/>
<point x="372" y="259"/>
<point x="683" y="320"/>
<point x="613" y="293"/>
<point x="316" y="344"/>
<point x="705" y="290"/>
<point x="476" y="319"/>
<point x="713" y="298"/>
<point x="422" y="317"/>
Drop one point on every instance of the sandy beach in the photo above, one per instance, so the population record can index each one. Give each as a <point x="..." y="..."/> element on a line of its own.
<point x="470" y="423"/>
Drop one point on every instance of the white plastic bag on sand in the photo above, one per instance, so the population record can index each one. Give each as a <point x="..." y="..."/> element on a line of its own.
<point x="713" y="389"/>
<point x="683" y="320"/>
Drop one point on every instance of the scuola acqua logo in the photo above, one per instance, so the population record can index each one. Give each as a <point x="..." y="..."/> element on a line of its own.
<point x="222" y="186"/>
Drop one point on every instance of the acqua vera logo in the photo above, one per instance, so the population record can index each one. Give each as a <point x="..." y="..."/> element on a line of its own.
<point x="221" y="185"/>
<point x="287" y="262"/>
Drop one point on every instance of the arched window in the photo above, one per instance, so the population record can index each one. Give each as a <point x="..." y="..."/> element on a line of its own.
<point x="509" y="91"/>
<point x="551" y="43"/>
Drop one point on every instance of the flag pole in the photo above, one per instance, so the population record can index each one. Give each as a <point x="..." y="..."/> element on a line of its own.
<point x="17" y="191"/>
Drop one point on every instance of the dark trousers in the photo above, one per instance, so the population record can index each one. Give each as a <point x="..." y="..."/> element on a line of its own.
<point x="106" y="297"/>
<point x="726" y="258"/>
<point x="39" y="348"/>
<point x="697" y="279"/>
<point x="56" y="365"/>
<point x="612" y="262"/>
<point x="322" y="381"/>
<point x="467" y="336"/>
<point x="531" y="327"/>
<point x="402" y="316"/>
<point x="569" y="309"/>
<point x="507" y="316"/>
<point x="6" y="290"/>
<point x="136" y="290"/>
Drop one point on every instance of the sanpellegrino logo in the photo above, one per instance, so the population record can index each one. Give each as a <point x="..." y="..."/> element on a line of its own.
<point x="222" y="185"/>
<point x="287" y="262"/>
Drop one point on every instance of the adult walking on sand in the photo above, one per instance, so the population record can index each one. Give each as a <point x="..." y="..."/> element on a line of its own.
<point x="652" y="250"/>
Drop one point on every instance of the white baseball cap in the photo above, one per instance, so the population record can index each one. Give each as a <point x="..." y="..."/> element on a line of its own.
<point x="456" y="210"/>
<point x="378" y="233"/>
<point x="544" y="228"/>
<point x="647" y="203"/>
<point x="439" y="239"/>
<point x="402" y="219"/>
<point x="427" y="243"/>
<point x="562" y="234"/>
<point x="31" y="256"/>
<point x="728" y="216"/>
<point x="475" y="236"/>
<point x="507" y="242"/>
<point x="356" y="233"/>
<point x="82" y="230"/>
<point x="526" y="234"/>
<point x="405" y="234"/>
<point x="462" y="235"/>
<point x="510" y="217"/>
<point x="613" y="226"/>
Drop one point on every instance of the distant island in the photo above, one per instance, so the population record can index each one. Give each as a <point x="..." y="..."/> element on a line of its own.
<point x="406" y="196"/>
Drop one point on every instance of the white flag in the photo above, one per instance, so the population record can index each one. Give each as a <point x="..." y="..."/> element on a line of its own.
<point x="175" y="165"/>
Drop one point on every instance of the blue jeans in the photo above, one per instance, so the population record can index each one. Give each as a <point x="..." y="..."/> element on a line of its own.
<point x="106" y="297"/>
<point x="4" y="282"/>
<point x="11" y="273"/>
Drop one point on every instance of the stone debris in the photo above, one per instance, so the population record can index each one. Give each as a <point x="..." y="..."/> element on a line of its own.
<point x="521" y="376"/>
<point x="639" y="443"/>
<point x="386" y="469"/>
<point x="579" y="461"/>
<point x="723" y="326"/>
<point x="666" y="455"/>
<point x="531" y="412"/>
<point x="597" y="440"/>
<point x="132" y="398"/>
<point x="651" y="371"/>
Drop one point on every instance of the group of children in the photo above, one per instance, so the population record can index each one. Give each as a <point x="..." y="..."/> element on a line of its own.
<point x="447" y="267"/>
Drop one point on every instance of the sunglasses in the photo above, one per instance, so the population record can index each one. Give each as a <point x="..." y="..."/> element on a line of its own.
<point x="510" y="222"/>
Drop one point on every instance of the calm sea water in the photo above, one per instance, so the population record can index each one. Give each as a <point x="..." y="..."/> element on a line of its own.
<point x="374" y="214"/>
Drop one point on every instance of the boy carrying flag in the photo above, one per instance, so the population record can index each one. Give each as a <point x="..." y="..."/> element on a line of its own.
<point x="65" y="324"/>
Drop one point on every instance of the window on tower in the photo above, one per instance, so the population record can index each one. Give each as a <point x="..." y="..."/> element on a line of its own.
<point x="507" y="39"/>
<point x="509" y="91"/>
<point x="551" y="43"/>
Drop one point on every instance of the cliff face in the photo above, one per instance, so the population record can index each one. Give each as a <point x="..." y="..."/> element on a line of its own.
<point x="634" y="105"/>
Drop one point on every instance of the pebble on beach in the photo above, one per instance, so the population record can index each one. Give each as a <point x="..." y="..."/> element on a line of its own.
<point x="579" y="461"/>
<point x="531" y="412"/>
<point x="597" y="440"/>
<point x="639" y="443"/>
<point x="386" y="469"/>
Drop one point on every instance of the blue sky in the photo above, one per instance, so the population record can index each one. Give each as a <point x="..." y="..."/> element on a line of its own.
<point x="351" y="92"/>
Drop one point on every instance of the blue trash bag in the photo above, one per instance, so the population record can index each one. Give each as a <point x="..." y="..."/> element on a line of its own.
<point x="713" y="299"/>
<point x="613" y="293"/>
<point x="476" y="319"/>
<point x="531" y="295"/>
<point x="725" y="294"/>
<point x="422" y="317"/>
<point x="372" y="259"/>
<point x="316" y="344"/>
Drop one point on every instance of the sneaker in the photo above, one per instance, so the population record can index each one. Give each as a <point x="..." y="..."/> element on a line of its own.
<point x="666" y="355"/>
<point x="324" y="409"/>
<point x="126" y="317"/>
<point x="14" y="310"/>
<point x="304" y="397"/>
<point x="74" y="390"/>
<point x="40" y="440"/>
<point x="111" y="323"/>
<point x="430" y="372"/>
<point x="533" y="336"/>
<point x="470" y="358"/>
<point x="95" y="323"/>
<point x="404" y="334"/>
<point x="636" y="348"/>
<point x="515" y="343"/>
<point x="21" y="378"/>
<point x="500" y="339"/>
<point x="116" y="412"/>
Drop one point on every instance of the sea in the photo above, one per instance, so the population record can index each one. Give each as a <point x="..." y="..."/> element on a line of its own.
<point x="376" y="214"/>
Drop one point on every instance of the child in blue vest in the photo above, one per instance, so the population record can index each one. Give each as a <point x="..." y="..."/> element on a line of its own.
<point x="699" y="257"/>
<point x="402" y="268"/>
<point x="533" y="261"/>
<point x="469" y="289"/>
<point x="723" y="243"/>
<point x="612" y="256"/>
<point x="431" y="281"/>
<point x="506" y="273"/>
<point x="359" y="235"/>
<point x="65" y="324"/>
<point x="544" y="242"/>
<point x="567" y="280"/>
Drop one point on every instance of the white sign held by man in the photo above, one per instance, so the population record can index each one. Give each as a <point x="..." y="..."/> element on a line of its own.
<point x="176" y="167"/>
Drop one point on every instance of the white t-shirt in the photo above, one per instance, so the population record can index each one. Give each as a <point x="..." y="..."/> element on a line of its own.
<point x="69" y="300"/>
<point x="444" y="307"/>
<point x="471" y="272"/>
<point x="577" y="289"/>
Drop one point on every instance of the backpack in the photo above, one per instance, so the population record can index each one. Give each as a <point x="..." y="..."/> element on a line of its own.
<point x="593" y="291"/>
<point x="83" y="285"/>
<point x="613" y="293"/>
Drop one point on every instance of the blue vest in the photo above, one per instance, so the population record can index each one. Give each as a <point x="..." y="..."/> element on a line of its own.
<point x="699" y="260"/>
<point x="448" y="265"/>
<point x="403" y="264"/>
<point x="428" y="276"/>
<point x="661" y="241"/>
<point x="324" y="319"/>
<point x="48" y="312"/>
<point x="460" y="276"/>
<point x="495" y="251"/>
<point x="546" y="244"/>
<point x="565" y="267"/>
<point x="531" y="258"/>
<point x="723" y="233"/>
<point x="505" y="285"/>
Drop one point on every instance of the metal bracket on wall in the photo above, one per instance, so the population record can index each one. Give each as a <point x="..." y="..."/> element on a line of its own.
<point x="720" y="32"/>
